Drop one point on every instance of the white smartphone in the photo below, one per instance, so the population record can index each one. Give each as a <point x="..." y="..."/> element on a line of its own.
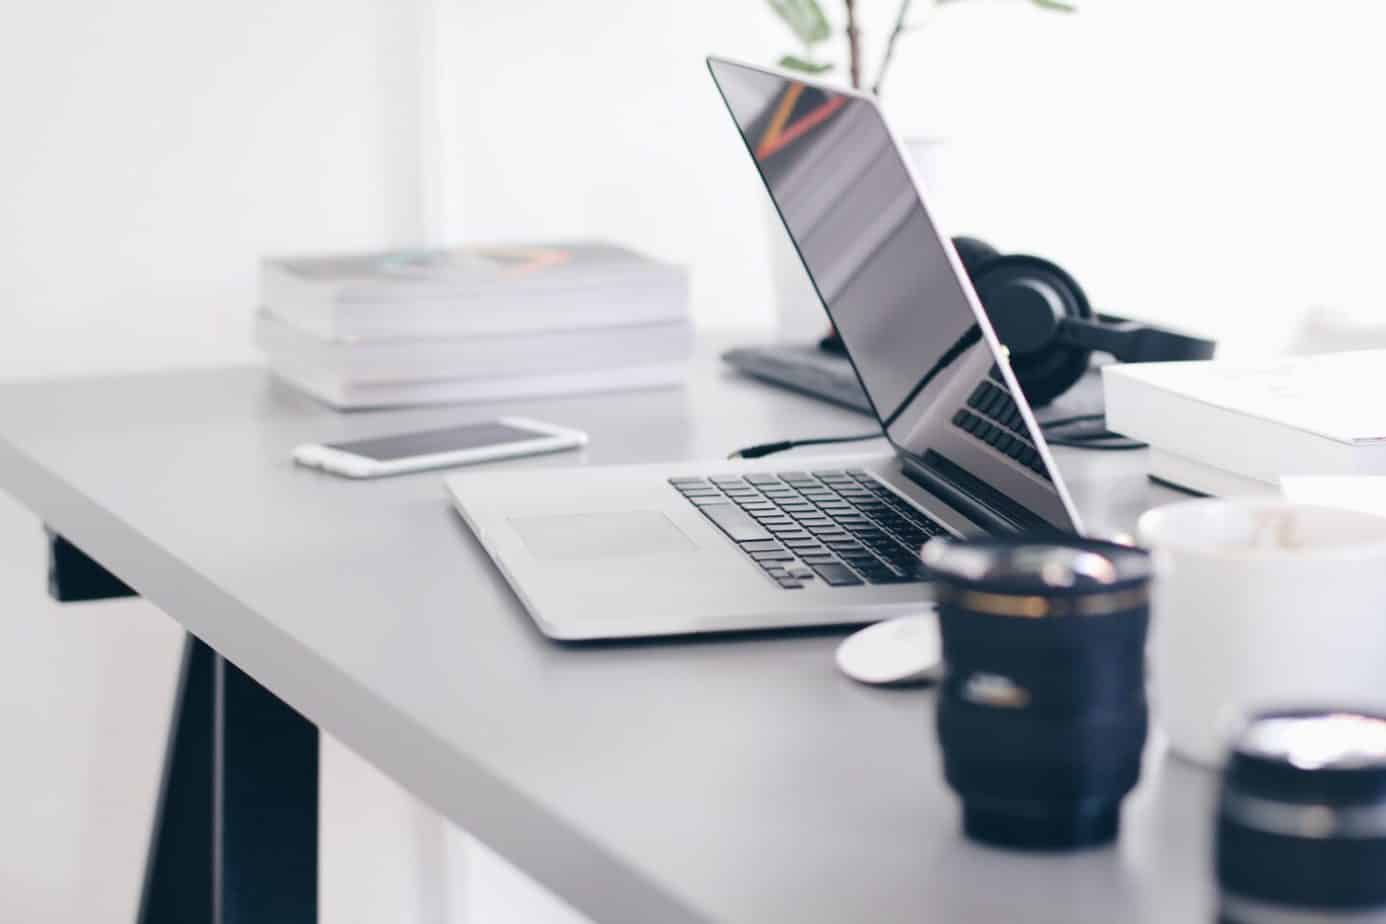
<point x="502" y="438"/>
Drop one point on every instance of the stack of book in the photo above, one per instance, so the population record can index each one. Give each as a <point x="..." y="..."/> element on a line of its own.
<point x="1226" y="427"/>
<point x="473" y="324"/>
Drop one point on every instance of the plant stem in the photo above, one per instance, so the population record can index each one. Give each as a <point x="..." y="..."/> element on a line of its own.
<point x="854" y="44"/>
<point x="895" y="34"/>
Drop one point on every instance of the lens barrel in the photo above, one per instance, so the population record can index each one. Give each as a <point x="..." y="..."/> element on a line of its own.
<point x="1301" y="830"/>
<point x="1042" y="712"/>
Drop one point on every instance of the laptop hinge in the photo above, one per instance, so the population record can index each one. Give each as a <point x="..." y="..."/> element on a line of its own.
<point x="991" y="521"/>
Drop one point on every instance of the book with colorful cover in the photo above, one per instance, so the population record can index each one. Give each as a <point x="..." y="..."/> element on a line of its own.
<point x="474" y="289"/>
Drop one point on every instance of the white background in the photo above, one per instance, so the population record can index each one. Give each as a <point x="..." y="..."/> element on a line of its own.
<point x="1212" y="163"/>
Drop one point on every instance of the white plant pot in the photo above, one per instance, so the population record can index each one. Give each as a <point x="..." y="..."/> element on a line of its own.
<point x="799" y="315"/>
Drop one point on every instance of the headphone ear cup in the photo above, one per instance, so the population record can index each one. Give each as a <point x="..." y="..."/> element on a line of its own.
<point x="1044" y="368"/>
<point x="974" y="254"/>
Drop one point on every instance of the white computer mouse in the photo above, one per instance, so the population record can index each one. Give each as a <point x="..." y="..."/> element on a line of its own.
<point x="897" y="651"/>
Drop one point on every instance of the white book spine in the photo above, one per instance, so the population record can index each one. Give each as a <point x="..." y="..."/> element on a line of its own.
<point x="475" y="358"/>
<point x="319" y="308"/>
<point x="348" y="396"/>
<point x="1241" y="444"/>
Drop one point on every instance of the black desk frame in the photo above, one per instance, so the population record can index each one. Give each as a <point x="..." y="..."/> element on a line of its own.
<point x="235" y="834"/>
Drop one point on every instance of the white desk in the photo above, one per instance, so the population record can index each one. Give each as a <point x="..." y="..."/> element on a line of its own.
<point x="732" y="779"/>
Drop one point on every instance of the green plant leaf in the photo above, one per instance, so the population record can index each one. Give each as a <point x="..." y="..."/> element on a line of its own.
<point x="803" y="65"/>
<point x="1056" y="6"/>
<point x="805" y="19"/>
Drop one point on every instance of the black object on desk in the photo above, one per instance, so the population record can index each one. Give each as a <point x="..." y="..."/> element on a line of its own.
<point x="809" y="368"/>
<point x="1041" y="713"/>
<point x="1301" y="830"/>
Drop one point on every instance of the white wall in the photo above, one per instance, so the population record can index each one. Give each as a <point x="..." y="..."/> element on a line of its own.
<point x="154" y="149"/>
<point x="1212" y="163"/>
<point x="599" y="119"/>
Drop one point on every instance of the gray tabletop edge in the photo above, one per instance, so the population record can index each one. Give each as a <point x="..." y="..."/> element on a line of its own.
<point x="506" y="820"/>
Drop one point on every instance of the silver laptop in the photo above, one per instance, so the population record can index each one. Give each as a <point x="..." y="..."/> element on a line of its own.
<point x="609" y="552"/>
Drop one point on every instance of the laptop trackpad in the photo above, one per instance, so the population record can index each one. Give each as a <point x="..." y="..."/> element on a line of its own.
<point x="588" y="536"/>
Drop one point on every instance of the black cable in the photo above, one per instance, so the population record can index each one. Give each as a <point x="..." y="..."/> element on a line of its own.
<point x="1096" y="440"/>
<point x="1092" y="441"/>
<point x="766" y="449"/>
<point x="1098" y="447"/>
<point x="1065" y="421"/>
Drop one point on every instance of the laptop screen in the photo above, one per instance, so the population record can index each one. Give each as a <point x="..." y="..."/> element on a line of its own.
<point x="886" y="277"/>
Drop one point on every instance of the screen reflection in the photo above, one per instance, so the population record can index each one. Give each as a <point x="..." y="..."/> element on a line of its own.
<point x="884" y="274"/>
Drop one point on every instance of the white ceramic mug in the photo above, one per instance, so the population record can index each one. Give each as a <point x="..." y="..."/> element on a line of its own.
<point x="1262" y="604"/>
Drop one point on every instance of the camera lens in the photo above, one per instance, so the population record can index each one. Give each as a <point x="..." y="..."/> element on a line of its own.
<point x="1301" y="833"/>
<point x="1042" y="710"/>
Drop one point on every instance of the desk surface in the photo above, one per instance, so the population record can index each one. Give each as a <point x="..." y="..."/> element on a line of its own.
<point x="733" y="779"/>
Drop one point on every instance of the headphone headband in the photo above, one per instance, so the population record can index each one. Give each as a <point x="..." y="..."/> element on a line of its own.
<point x="1042" y="316"/>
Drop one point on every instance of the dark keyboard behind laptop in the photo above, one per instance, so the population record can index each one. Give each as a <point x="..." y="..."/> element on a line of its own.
<point x="843" y="528"/>
<point x="992" y="417"/>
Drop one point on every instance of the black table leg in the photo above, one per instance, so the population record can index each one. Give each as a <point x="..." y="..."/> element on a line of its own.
<point x="235" y="836"/>
<point x="74" y="577"/>
<point x="265" y="806"/>
<point x="178" y="870"/>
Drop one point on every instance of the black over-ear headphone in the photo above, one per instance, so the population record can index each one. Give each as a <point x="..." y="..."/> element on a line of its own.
<point x="1042" y="316"/>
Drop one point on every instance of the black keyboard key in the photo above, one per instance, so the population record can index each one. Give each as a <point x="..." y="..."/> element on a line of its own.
<point x="889" y="577"/>
<point x="688" y="480"/>
<point x="735" y="522"/>
<point x="773" y="556"/>
<point x="785" y="534"/>
<point x="789" y="583"/>
<point x="726" y="479"/>
<point x="830" y="535"/>
<point x="764" y="545"/>
<point x="704" y="501"/>
<point x="762" y="479"/>
<point x="810" y="558"/>
<point x="836" y="575"/>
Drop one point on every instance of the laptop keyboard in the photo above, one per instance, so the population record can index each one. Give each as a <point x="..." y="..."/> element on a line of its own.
<point x="992" y="417"/>
<point x="841" y="528"/>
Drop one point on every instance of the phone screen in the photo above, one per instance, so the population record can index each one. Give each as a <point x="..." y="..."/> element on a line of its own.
<point x="430" y="442"/>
